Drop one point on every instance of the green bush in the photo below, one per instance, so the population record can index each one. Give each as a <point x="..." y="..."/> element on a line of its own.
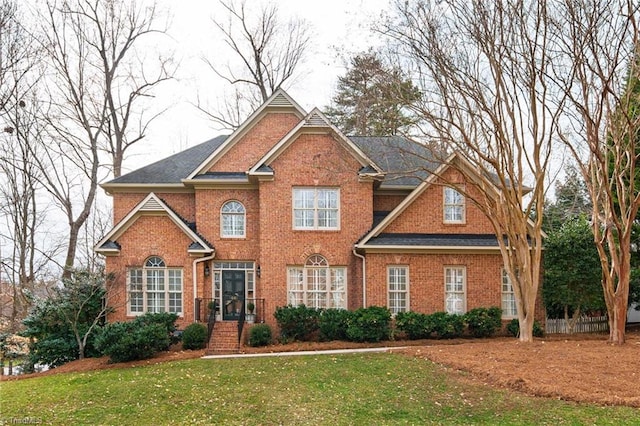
<point x="297" y="322"/>
<point x="165" y="319"/>
<point x="513" y="328"/>
<point x="333" y="324"/>
<point x="371" y="324"/>
<point x="260" y="335"/>
<point x="138" y="339"/>
<point x="447" y="326"/>
<point x="194" y="336"/>
<point x="128" y="341"/>
<point x="414" y="325"/>
<point x="483" y="322"/>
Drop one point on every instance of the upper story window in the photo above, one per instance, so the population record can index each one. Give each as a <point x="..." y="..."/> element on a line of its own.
<point x="154" y="288"/>
<point x="316" y="208"/>
<point x="233" y="220"/>
<point x="453" y="206"/>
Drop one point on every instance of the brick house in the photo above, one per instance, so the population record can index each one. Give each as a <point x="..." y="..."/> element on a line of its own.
<point x="288" y="210"/>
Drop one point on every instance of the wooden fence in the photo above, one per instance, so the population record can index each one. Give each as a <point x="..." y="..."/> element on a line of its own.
<point x="583" y="325"/>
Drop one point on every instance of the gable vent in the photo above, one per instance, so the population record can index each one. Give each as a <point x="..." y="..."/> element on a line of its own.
<point x="152" y="204"/>
<point x="315" y="120"/>
<point x="280" y="101"/>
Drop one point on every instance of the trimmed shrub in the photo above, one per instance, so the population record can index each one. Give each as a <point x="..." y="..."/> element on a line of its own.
<point x="165" y="319"/>
<point x="513" y="328"/>
<point x="138" y="339"/>
<point x="296" y="322"/>
<point x="371" y="324"/>
<point x="128" y="341"/>
<point x="194" y="336"/>
<point x="414" y="325"/>
<point x="447" y="326"/>
<point x="260" y="335"/>
<point x="483" y="322"/>
<point x="333" y="324"/>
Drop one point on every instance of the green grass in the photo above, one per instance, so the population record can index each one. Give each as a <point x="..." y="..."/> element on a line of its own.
<point x="337" y="390"/>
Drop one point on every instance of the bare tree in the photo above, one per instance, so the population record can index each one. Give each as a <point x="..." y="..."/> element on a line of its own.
<point x="96" y="80"/>
<point x="267" y="54"/>
<point x="481" y="67"/>
<point x="112" y="31"/>
<point x="600" y="71"/>
<point x="24" y="254"/>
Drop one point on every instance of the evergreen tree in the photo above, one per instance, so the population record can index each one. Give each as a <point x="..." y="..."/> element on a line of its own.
<point x="572" y="272"/>
<point x="64" y="325"/>
<point x="372" y="98"/>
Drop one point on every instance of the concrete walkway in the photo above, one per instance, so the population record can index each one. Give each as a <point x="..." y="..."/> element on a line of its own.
<point x="301" y="353"/>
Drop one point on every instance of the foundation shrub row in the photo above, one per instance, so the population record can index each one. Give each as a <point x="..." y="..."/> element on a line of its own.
<point x="375" y="324"/>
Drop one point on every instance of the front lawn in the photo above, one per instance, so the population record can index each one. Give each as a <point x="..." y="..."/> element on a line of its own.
<point x="322" y="389"/>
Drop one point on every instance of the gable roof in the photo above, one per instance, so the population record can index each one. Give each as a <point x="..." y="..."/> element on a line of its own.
<point x="279" y="101"/>
<point x="405" y="163"/>
<point x="152" y="205"/>
<point x="314" y="122"/>
<point x="170" y="170"/>
<point x="377" y="230"/>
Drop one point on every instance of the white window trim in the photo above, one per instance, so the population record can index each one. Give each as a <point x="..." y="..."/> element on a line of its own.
<point x="244" y="218"/>
<point x="167" y="292"/>
<point x="461" y="205"/>
<point x="505" y="275"/>
<point x="406" y="291"/>
<point x="315" y="226"/>
<point x="464" y="287"/>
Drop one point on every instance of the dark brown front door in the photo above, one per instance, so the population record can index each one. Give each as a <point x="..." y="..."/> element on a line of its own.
<point x="232" y="294"/>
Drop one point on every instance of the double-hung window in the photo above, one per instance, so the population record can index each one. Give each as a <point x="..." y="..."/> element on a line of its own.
<point x="233" y="220"/>
<point x="316" y="285"/>
<point x="454" y="289"/>
<point x="398" y="288"/>
<point x="454" y="211"/>
<point x="509" y="306"/>
<point x="316" y="208"/>
<point x="154" y="288"/>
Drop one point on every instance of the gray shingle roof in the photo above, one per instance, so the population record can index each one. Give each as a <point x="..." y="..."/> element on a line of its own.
<point x="435" y="240"/>
<point x="174" y="168"/>
<point x="405" y="162"/>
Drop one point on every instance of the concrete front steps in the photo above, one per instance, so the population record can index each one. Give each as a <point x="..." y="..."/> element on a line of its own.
<point x="224" y="338"/>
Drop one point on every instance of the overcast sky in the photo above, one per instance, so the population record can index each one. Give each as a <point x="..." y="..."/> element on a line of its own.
<point x="335" y="25"/>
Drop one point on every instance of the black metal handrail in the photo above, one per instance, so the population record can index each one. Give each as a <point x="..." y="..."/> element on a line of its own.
<point x="202" y="309"/>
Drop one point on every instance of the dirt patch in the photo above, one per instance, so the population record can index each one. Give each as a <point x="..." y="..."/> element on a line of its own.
<point x="577" y="368"/>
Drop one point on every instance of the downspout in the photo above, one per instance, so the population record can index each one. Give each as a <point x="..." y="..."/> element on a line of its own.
<point x="194" y="276"/>
<point x="364" y="277"/>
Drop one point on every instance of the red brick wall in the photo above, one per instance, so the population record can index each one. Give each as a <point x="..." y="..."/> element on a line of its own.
<point x="386" y="203"/>
<point x="152" y="236"/>
<point x="425" y="214"/>
<point x="312" y="160"/>
<point x="426" y="280"/>
<point x="256" y="142"/>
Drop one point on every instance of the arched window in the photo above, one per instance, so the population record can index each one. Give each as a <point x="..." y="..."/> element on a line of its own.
<point x="155" y="288"/>
<point x="317" y="285"/>
<point x="232" y="220"/>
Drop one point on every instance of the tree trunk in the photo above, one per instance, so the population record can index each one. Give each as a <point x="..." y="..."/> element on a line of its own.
<point x="526" y="329"/>
<point x="618" y="321"/>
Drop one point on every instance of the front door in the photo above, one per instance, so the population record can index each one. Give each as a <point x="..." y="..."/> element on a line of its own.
<point x="232" y="294"/>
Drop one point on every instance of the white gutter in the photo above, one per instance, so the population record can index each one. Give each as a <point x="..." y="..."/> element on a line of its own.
<point x="364" y="277"/>
<point x="194" y="276"/>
